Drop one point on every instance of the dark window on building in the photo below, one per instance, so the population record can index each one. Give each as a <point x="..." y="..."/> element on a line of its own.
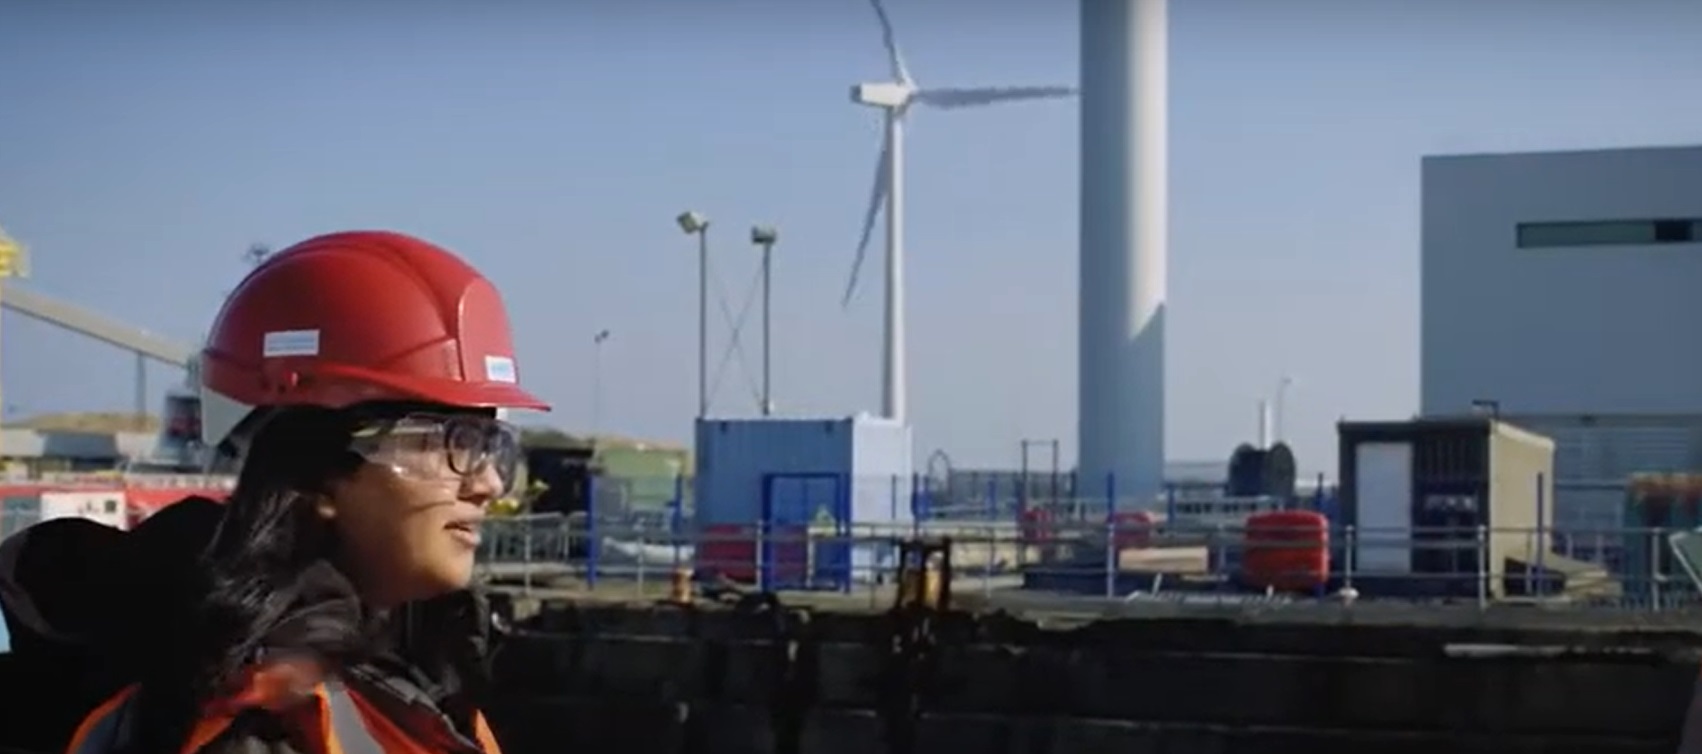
<point x="1675" y="231"/>
<point x="1609" y="233"/>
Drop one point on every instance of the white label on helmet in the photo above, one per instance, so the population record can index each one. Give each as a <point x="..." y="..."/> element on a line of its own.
<point x="499" y="369"/>
<point x="290" y="343"/>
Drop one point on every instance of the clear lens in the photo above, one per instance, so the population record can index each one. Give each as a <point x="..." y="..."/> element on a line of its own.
<point x="443" y="448"/>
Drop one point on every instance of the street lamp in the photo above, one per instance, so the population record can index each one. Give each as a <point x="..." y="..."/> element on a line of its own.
<point x="766" y="236"/>
<point x="693" y="223"/>
<point x="1487" y="407"/>
<point x="597" y="382"/>
<point x="256" y="253"/>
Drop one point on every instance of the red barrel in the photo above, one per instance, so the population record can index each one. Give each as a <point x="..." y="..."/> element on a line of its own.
<point x="1133" y="529"/>
<point x="789" y="546"/>
<point x="1286" y="550"/>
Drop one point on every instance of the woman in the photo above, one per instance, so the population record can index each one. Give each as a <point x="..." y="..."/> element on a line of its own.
<point x="357" y="379"/>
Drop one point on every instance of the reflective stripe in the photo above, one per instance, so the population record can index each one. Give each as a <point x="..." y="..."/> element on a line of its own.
<point x="108" y="729"/>
<point x="347" y="727"/>
<point x="482" y="731"/>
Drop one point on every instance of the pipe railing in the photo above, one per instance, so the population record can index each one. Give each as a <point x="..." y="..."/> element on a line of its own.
<point x="1478" y="564"/>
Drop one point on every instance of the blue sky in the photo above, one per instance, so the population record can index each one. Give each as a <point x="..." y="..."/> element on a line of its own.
<point x="144" y="146"/>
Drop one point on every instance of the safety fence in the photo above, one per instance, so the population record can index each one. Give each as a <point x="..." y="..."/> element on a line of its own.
<point x="963" y="497"/>
<point x="1578" y="511"/>
<point x="1012" y="530"/>
<point x="971" y="496"/>
<point x="875" y="500"/>
<point x="1291" y="560"/>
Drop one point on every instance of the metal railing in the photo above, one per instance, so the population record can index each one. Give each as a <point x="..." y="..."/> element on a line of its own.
<point x="1478" y="565"/>
<point x="895" y="497"/>
<point x="1055" y="544"/>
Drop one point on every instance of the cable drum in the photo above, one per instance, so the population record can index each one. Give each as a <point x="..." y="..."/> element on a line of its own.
<point x="1246" y="470"/>
<point x="1262" y="473"/>
<point x="1279" y="472"/>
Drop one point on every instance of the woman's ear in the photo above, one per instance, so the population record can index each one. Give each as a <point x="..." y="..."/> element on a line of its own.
<point x="325" y="506"/>
<point x="325" y="499"/>
<point x="331" y="495"/>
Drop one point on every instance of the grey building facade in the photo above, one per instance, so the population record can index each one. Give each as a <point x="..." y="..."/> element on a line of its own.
<point x="1566" y="287"/>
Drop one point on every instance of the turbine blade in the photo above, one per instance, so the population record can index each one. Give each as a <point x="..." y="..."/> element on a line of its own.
<point x="877" y="195"/>
<point x="899" y="73"/>
<point x="954" y="98"/>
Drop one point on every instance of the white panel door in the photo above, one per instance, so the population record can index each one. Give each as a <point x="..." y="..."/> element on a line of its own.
<point x="1383" y="496"/>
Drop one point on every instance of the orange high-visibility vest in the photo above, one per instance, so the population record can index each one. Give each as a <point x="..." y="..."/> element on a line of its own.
<point x="347" y="725"/>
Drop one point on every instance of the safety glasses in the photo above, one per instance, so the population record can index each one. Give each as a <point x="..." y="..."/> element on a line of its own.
<point x="448" y="448"/>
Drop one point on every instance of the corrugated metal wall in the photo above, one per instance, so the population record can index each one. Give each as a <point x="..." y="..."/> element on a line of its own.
<point x="863" y="464"/>
<point x="734" y="455"/>
<point x="881" y="481"/>
<point x="1593" y="457"/>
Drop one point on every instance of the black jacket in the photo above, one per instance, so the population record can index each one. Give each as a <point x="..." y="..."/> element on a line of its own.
<point x="88" y="607"/>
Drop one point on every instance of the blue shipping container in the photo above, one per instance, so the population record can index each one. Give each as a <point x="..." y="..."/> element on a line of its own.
<point x="827" y="477"/>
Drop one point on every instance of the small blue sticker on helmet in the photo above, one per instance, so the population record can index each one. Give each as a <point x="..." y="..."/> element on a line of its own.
<point x="500" y="369"/>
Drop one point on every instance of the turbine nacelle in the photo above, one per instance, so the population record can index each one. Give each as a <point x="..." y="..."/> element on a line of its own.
<point x="890" y="94"/>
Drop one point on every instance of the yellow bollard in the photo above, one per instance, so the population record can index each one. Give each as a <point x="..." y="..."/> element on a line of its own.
<point x="679" y="587"/>
<point x="922" y="575"/>
<point x="910" y="585"/>
<point x="931" y="581"/>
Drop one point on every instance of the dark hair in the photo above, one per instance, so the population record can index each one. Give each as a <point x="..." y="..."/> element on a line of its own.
<point x="268" y="583"/>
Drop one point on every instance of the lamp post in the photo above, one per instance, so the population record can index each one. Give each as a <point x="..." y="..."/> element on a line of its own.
<point x="693" y="223"/>
<point x="765" y="237"/>
<point x="597" y="382"/>
<point x="1487" y="407"/>
<point x="256" y="253"/>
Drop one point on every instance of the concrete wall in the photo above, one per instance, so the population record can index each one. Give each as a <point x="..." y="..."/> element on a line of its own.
<point x="1601" y="330"/>
<point x="655" y="680"/>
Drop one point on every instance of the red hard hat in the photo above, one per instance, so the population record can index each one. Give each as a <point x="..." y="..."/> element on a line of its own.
<point x="361" y="316"/>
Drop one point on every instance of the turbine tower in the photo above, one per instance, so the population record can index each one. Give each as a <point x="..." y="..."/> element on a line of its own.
<point x="894" y="98"/>
<point x="1124" y="238"/>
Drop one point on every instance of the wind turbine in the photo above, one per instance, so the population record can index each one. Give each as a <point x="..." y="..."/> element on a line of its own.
<point x="895" y="98"/>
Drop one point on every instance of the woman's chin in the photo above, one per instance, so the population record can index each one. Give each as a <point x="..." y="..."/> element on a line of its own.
<point x="450" y="575"/>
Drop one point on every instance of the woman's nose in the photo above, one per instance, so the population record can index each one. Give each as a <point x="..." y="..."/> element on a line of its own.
<point x="483" y="485"/>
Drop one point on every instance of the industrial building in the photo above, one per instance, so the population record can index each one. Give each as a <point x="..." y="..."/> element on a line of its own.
<point x="1560" y="290"/>
<point x="1417" y="492"/>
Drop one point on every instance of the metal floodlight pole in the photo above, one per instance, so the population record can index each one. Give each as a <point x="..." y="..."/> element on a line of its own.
<point x="766" y="237"/>
<point x="703" y="322"/>
<point x="694" y="223"/>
